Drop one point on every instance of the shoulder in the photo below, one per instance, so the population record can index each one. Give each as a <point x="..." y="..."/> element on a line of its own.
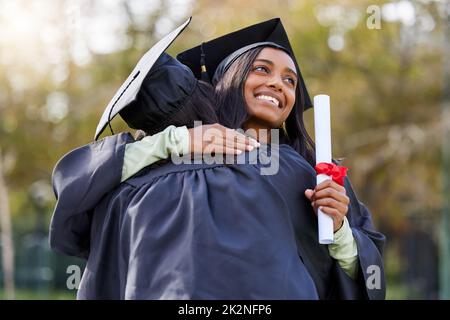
<point x="111" y="143"/>
<point x="289" y="157"/>
<point x="151" y="174"/>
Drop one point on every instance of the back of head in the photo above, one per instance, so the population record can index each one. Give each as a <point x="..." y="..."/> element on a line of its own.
<point x="170" y="95"/>
<point x="200" y="106"/>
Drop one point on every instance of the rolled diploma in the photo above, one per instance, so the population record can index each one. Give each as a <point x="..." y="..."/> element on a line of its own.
<point x="322" y="129"/>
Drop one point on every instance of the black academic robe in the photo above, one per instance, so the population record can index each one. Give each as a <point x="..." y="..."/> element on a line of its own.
<point x="202" y="231"/>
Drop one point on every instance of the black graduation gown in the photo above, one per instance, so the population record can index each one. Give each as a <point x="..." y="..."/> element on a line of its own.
<point x="201" y="231"/>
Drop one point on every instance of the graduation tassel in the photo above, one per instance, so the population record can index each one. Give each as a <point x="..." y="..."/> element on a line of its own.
<point x="204" y="74"/>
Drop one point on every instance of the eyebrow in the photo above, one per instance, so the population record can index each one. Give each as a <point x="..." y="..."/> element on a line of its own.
<point x="271" y="63"/>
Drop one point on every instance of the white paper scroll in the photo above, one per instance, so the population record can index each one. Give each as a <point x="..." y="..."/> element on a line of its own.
<point x="322" y="128"/>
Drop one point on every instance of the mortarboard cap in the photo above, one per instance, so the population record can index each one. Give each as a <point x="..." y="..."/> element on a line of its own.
<point x="151" y="96"/>
<point x="211" y="59"/>
<point x="163" y="93"/>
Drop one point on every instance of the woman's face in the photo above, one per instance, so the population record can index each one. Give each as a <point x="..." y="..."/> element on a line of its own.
<point x="269" y="90"/>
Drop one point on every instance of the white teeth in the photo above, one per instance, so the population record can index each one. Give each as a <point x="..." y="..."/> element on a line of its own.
<point x="269" y="98"/>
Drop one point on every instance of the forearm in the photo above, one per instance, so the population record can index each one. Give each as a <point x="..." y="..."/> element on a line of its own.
<point x="151" y="149"/>
<point x="344" y="250"/>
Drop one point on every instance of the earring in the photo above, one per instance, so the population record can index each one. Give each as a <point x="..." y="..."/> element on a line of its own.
<point x="283" y="127"/>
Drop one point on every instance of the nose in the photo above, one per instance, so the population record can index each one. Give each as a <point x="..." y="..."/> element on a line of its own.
<point x="275" y="82"/>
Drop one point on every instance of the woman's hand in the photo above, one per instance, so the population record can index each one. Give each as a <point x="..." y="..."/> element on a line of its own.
<point x="331" y="198"/>
<point x="215" y="138"/>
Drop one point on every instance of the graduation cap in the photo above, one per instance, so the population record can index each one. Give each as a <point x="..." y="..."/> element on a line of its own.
<point x="211" y="59"/>
<point x="146" y="98"/>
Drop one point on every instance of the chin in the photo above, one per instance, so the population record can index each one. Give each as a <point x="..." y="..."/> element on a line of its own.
<point x="272" y="121"/>
<point x="269" y="122"/>
<point x="265" y="114"/>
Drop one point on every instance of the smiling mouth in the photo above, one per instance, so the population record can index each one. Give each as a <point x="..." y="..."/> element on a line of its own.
<point x="274" y="101"/>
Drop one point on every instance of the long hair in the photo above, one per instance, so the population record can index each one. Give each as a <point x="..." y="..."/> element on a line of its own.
<point x="233" y="112"/>
<point x="200" y="106"/>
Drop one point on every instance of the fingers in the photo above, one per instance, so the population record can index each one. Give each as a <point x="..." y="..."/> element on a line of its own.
<point x="237" y="137"/>
<point x="221" y="139"/>
<point x="233" y="141"/>
<point x="334" y="213"/>
<point x="329" y="184"/>
<point x="219" y="145"/>
<point x="330" y="203"/>
<point x="228" y="134"/>
<point x="331" y="197"/>
<point x="331" y="193"/>
<point x="309" y="194"/>
<point x="338" y="218"/>
<point x="220" y="149"/>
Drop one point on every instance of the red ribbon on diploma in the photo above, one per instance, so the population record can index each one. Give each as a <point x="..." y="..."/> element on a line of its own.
<point x="337" y="173"/>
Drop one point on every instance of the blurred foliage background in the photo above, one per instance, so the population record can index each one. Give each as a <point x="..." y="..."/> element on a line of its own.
<point x="385" y="65"/>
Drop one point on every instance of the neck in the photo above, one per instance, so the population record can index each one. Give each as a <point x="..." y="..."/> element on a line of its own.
<point x="258" y="131"/>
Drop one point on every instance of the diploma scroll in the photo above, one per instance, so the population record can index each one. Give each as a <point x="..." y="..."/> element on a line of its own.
<point x="322" y="128"/>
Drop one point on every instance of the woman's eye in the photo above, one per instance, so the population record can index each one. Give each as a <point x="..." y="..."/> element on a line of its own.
<point x="261" y="68"/>
<point x="291" y="81"/>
